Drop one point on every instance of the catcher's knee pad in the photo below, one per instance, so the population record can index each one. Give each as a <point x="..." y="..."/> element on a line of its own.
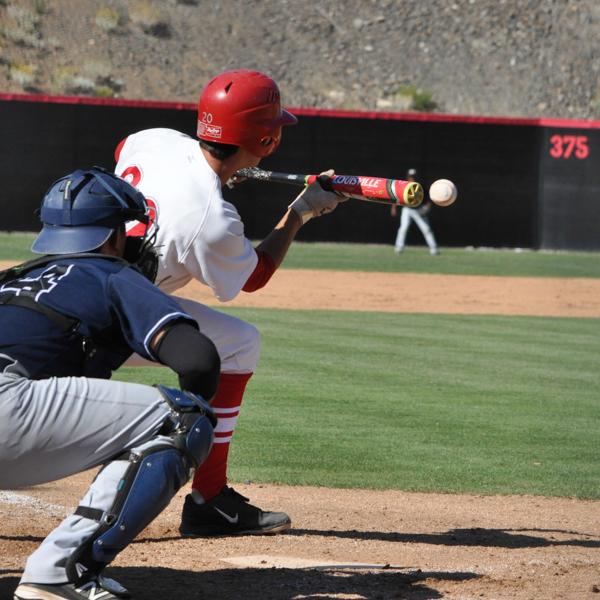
<point x="191" y="424"/>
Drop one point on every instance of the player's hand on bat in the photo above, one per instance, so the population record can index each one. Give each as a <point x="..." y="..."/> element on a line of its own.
<point x="315" y="201"/>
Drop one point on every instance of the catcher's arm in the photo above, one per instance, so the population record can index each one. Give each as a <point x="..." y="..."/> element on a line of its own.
<point x="191" y="355"/>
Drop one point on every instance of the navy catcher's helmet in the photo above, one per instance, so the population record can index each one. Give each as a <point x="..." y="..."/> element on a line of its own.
<point x="81" y="210"/>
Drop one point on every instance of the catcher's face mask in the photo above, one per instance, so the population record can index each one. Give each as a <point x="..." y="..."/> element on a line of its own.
<point x="139" y="247"/>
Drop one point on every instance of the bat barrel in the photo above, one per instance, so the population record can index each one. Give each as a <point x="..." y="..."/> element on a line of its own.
<point x="388" y="191"/>
<point x="372" y="189"/>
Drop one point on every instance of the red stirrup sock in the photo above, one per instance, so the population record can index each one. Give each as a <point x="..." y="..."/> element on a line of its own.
<point x="211" y="476"/>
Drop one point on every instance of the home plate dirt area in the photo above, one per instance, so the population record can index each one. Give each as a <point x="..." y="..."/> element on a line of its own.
<point x="358" y="544"/>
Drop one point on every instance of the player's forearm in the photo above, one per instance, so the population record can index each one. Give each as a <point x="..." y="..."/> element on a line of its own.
<point x="277" y="243"/>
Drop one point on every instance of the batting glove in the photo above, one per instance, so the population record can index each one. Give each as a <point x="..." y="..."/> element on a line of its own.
<point x="314" y="201"/>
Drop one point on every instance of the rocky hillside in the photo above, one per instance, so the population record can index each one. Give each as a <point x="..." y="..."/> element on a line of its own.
<point x="523" y="58"/>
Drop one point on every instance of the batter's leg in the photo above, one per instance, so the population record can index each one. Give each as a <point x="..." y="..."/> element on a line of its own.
<point x="238" y="344"/>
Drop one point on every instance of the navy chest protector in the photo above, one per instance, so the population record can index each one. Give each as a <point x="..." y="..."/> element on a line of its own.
<point x="63" y="322"/>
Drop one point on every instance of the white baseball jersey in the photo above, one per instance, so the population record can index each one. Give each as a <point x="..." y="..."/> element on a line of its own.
<point x="200" y="235"/>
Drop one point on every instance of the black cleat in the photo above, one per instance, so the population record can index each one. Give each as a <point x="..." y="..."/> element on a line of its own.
<point x="229" y="513"/>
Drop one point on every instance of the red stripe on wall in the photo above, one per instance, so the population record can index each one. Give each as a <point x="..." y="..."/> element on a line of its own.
<point x="318" y="112"/>
<point x="96" y="101"/>
<point x="447" y="118"/>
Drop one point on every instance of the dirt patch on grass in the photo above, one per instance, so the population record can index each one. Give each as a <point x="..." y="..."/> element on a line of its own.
<point x="357" y="544"/>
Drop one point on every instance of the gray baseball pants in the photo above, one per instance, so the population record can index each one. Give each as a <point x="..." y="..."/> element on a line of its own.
<point x="53" y="428"/>
<point x="408" y="215"/>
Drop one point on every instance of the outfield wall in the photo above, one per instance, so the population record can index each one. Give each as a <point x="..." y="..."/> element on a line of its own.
<point x="522" y="182"/>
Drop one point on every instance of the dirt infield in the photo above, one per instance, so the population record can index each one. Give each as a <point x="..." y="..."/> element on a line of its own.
<point x="410" y="292"/>
<point x="356" y="544"/>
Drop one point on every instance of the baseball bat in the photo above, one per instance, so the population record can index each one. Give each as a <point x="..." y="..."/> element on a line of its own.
<point x="360" y="187"/>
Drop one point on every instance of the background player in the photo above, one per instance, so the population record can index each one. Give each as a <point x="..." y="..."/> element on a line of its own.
<point x="66" y="322"/>
<point x="420" y="216"/>
<point x="201" y="236"/>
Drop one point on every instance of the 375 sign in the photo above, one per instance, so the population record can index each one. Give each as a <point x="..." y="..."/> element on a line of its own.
<point x="568" y="146"/>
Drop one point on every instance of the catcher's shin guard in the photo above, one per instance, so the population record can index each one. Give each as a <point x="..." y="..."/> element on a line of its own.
<point x="128" y="494"/>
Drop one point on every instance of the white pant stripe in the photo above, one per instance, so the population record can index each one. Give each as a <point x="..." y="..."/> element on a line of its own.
<point x="226" y="411"/>
<point x="226" y="425"/>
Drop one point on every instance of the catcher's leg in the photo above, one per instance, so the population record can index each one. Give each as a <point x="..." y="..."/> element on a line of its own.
<point x="126" y="495"/>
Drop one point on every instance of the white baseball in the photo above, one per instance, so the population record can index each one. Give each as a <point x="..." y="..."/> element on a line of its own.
<point x="443" y="192"/>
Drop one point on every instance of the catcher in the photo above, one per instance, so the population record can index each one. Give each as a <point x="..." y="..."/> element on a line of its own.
<point x="67" y="321"/>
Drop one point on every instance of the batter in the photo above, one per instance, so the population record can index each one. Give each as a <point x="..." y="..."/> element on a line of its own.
<point x="201" y="236"/>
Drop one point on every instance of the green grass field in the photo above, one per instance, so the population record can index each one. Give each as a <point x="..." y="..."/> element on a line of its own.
<point x="443" y="403"/>
<point x="355" y="257"/>
<point x="420" y="402"/>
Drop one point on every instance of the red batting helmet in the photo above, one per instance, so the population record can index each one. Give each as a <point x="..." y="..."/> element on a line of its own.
<point x="243" y="108"/>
